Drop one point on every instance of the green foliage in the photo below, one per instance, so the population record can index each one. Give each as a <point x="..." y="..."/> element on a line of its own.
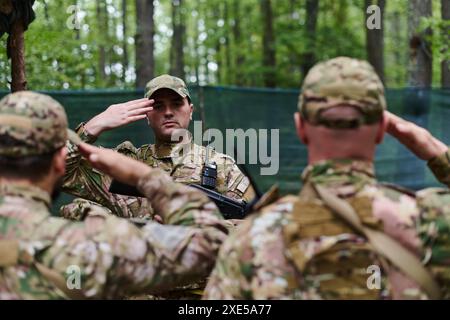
<point x="58" y="57"/>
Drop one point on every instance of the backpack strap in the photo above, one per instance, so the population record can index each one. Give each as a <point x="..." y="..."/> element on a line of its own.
<point x="386" y="246"/>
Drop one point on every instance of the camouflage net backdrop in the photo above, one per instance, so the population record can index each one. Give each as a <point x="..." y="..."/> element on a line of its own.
<point x="230" y="108"/>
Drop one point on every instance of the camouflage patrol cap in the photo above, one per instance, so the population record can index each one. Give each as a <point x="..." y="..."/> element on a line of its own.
<point x="338" y="82"/>
<point x="166" y="81"/>
<point x="32" y="124"/>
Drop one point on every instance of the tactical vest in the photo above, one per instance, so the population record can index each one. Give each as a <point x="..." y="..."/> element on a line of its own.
<point x="340" y="270"/>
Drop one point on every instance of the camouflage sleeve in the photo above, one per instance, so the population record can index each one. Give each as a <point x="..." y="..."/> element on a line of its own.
<point x="79" y="208"/>
<point x="251" y="263"/>
<point x="433" y="230"/>
<point x="83" y="181"/>
<point x="84" y="134"/>
<point x="441" y="167"/>
<point x="231" y="276"/>
<point x="239" y="186"/>
<point x="117" y="259"/>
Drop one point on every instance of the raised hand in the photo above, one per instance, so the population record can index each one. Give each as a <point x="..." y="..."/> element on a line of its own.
<point x="415" y="138"/>
<point x="118" y="115"/>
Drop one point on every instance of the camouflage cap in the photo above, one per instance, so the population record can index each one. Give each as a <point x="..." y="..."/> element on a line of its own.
<point x="32" y="124"/>
<point x="338" y="82"/>
<point x="166" y="81"/>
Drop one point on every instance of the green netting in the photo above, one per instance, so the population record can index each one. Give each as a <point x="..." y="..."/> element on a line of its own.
<point x="228" y="107"/>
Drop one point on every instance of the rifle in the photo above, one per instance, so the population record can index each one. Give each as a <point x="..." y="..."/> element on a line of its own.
<point x="230" y="208"/>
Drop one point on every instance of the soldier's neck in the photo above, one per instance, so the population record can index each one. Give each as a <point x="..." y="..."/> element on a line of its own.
<point x="315" y="156"/>
<point x="184" y="137"/>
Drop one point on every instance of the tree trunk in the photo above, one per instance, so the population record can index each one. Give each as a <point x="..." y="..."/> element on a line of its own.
<point x="177" y="52"/>
<point x="400" y="57"/>
<point x="218" y="46"/>
<point x="145" y="28"/>
<point x="269" y="58"/>
<point x="101" y="48"/>
<point x="17" y="49"/>
<point x="46" y="15"/>
<point x="375" y="39"/>
<point x="77" y="29"/>
<point x="420" y="59"/>
<point x="309" y="57"/>
<point x="445" y="64"/>
<point x="125" y="43"/>
<point x="237" y="35"/>
<point x="229" y="67"/>
<point x="195" y="61"/>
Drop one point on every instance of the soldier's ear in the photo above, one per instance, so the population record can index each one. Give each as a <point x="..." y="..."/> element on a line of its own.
<point x="381" y="130"/>
<point x="300" y="128"/>
<point x="192" y="111"/>
<point x="59" y="162"/>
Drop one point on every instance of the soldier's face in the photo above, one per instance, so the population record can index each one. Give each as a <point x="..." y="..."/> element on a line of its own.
<point x="170" y="112"/>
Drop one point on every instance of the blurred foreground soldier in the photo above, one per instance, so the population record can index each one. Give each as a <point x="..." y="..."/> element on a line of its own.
<point x="168" y="108"/>
<point x="44" y="257"/>
<point x="345" y="236"/>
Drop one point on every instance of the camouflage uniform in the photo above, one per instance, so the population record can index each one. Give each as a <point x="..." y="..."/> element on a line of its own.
<point x="182" y="161"/>
<point x="297" y="248"/>
<point x="116" y="258"/>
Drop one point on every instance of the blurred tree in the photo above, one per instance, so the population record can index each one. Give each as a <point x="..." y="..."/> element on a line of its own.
<point x="421" y="58"/>
<point x="375" y="38"/>
<point x="445" y="64"/>
<point x="238" y="50"/>
<point x="269" y="51"/>
<point x="309" y="57"/>
<point x="102" y="15"/>
<point x="227" y="42"/>
<point x="15" y="17"/>
<point x="145" y="29"/>
<point x="177" y="46"/>
<point x="124" y="41"/>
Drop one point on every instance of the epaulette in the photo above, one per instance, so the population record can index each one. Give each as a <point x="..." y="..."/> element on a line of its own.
<point x="126" y="148"/>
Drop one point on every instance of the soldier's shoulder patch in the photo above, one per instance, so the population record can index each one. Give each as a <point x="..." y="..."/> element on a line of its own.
<point x="243" y="185"/>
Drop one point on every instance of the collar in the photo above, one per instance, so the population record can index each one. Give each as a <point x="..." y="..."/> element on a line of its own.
<point x="165" y="150"/>
<point x="28" y="192"/>
<point x="332" y="168"/>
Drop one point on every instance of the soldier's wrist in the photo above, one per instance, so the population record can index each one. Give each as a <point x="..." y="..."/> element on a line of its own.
<point x="440" y="166"/>
<point x="152" y="182"/>
<point x="85" y="134"/>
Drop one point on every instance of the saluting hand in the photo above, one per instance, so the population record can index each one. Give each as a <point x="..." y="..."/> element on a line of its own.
<point x="415" y="138"/>
<point x="118" y="115"/>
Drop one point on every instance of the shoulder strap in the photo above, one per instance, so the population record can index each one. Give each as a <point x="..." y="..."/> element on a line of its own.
<point x="382" y="243"/>
<point x="9" y="257"/>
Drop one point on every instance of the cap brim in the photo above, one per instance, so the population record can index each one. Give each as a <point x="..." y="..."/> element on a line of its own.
<point x="164" y="87"/>
<point x="73" y="137"/>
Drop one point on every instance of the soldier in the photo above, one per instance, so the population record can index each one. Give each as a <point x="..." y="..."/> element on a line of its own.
<point x="104" y="256"/>
<point x="345" y="236"/>
<point x="168" y="108"/>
